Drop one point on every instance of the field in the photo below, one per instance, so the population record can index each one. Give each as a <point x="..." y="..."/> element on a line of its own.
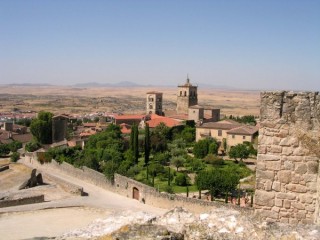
<point x="126" y="100"/>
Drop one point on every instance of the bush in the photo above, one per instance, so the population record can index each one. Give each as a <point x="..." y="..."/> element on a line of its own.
<point x="15" y="156"/>
<point x="169" y="189"/>
<point x="32" y="146"/>
<point x="214" y="160"/>
<point x="181" y="180"/>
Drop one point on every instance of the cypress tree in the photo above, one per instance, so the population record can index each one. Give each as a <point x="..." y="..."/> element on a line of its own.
<point x="136" y="143"/>
<point x="146" y="145"/>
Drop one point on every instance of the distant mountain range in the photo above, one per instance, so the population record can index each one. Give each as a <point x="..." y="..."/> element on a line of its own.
<point x="124" y="84"/>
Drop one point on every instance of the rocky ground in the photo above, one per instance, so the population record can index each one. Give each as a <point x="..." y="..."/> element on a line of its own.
<point x="180" y="224"/>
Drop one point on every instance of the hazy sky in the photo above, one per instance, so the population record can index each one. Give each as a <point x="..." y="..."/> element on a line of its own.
<point x="256" y="44"/>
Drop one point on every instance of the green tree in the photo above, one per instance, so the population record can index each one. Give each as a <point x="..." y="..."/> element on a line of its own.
<point x="4" y="149"/>
<point x="146" y="145"/>
<point x="41" y="127"/>
<point x="178" y="162"/>
<point x="154" y="170"/>
<point x="201" y="148"/>
<point x="239" y="151"/>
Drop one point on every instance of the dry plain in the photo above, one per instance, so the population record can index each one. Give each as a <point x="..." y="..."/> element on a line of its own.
<point x="61" y="99"/>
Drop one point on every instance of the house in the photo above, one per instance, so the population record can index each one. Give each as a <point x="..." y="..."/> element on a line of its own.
<point x="227" y="130"/>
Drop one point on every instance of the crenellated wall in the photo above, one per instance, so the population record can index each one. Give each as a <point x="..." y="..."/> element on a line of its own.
<point x="287" y="176"/>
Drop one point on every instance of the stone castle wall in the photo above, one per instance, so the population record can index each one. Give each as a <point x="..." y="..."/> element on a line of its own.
<point x="124" y="186"/>
<point x="287" y="176"/>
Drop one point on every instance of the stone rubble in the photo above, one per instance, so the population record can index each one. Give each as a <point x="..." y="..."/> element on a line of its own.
<point x="179" y="224"/>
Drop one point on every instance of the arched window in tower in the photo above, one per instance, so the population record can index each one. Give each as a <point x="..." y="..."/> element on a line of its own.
<point x="180" y="93"/>
<point x="185" y="93"/>
<point x="150" y="106"/>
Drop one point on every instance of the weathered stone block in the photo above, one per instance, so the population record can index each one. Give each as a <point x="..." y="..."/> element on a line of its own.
<point x="295" y="178"/>
<point x="287" y="151"/>
<point x="300" y="215"/>
<point x="268" y="157"/>
<point x="297" y="205"/>
<point x="289" y="141"/>
<point x="284" y="176"/>
<point x="275" y="149"/>
<point x="288" y="196"/>
<point x="278" y="202"/>
<point x="293" y="221"/>
<point x="264" y="198"/>
<point x="287" y="204"/>
<point x="262" y="149"/>
<point x="269" y="214"/>
<point x="288" y="165"/>
<point x="300" y="151"/>
<point x="285" y="214"/>
<point x="276" y="140"/>
<point x="268" y="185"/>
<point x="284" y="220"/>
<point x="310" y="178"/>
<point x="276" y="186"/>
<point x="313" y="167"/>
<point x="301" y="168"/>
<point x="261" y="165"/>
<point x="264" y="174"/>
<point x="296" y="188"/>
<point x="312" y="186"/>
<point x="275" y="209"/>
<point x="306" y="198"/>
<point x="273" y="165"/>
<point x="310" y="208"/>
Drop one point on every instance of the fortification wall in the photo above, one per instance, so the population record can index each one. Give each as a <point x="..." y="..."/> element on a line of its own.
<point x="287" y="177"/>
<point x="124" y="186"/>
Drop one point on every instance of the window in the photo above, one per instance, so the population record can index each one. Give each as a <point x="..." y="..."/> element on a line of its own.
<point x="185" y="93"/>
<point x="180" y="93"/>
<point x="243" y="137"/>
<point x="219" y="132"/>
<point x="150" y="106"/>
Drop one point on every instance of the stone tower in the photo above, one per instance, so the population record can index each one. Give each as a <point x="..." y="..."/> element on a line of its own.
<point x="287" y="175"/>
<point x="187" y="96"/>
<point x="154" y="103"/>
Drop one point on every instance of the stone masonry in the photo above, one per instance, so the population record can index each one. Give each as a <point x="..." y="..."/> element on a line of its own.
<point x="287" y="176"/>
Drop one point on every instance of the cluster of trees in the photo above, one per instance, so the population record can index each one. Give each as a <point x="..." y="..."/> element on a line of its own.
<point x="41" y="127"/>
<point x="12" y="147"/>
<point x="247" y="119"/>
<point x="242" y="151"/>
<point x="217" y="181"/>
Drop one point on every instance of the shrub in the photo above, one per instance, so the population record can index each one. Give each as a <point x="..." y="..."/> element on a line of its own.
<point x="15" y="156"/>
<point x="32" y="146"/>
<point x="181" y="180"/>
<point x="214" y="160"/>
<point x="169" y="189"/>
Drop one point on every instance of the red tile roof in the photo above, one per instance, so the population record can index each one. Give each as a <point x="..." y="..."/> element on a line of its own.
<point x="125" y="128"/>
<point x="156" y="120"/>
<point x="136" y="116"/>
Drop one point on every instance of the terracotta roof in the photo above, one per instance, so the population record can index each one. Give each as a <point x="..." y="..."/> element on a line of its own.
<point x="244" y="130"/>
<point x="156" y="120"/>
<point x="136" y="116"/>
<point x="125" y="128"/>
